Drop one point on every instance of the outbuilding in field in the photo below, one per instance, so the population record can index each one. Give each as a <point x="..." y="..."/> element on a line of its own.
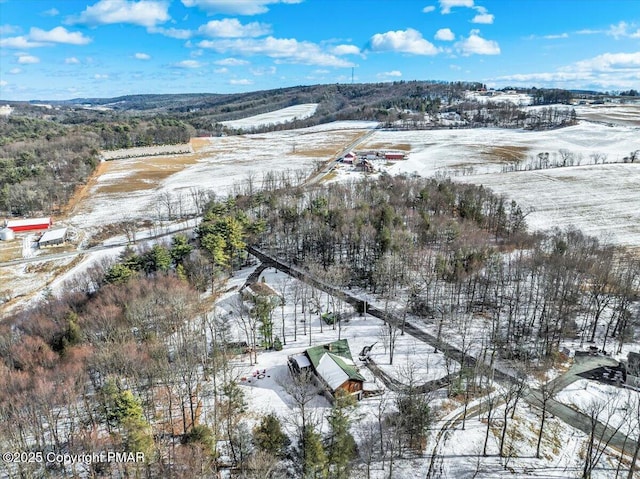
<point x="53" y="237"/>
<point x="7" y="234"/>
<point x="29" y="224"/>
<point x="394" y="156"/>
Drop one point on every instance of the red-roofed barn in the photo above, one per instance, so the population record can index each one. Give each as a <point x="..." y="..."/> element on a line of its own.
<point x="29" y="224"/>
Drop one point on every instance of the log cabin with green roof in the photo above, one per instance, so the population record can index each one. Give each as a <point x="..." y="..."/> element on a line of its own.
<point x="334" y="367"/>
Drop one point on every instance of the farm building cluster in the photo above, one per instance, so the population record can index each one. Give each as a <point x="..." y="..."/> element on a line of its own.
<point x="364" y="160"/>
<point x="50" y="237"/>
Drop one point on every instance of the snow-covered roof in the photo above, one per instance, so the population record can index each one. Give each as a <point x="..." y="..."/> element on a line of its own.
<point x="28" y="222"/>
<point x="329" y="370"/>
<point x="53" y="235"/>
<point x="333" y="363"/>
<point x="302" y="361"/>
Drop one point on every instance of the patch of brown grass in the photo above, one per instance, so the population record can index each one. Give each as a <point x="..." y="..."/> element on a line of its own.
<point x="387" y="146"/>
<point x="81" y="191"/>
<point x="317" y="152"/>
<point x="199" y="143"/>
<point x="506" y="153"/>
<point x="330" y="176"/>
<point x="146" y="173"/>
<point x="330" y="148"/>
<point x="10" y="250"/>
<point x="106" y="231"/>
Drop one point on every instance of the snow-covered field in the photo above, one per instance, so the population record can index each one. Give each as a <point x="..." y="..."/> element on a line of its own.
<point x="146" y="151"/>
<point x="297" y="112"/>
<point x="625" y="114"/>
<point x="137" y="188"/>
<point x="601" y="199"/>
<point x="519" y="99"/>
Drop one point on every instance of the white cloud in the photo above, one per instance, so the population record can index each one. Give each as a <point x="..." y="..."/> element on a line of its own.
<point x="345" y="50"/>
<point x="188" y="64"/>
<point x="485" y="18"/>
<point x="42" y="38"/>
<point x="428" y="9"/>
<point x="3" y="83"/>
<point x="9" y="29"/>
<point x="177" y="33"/>
<point x="52" y="12"/>
<point x="235" y="7"/>
<point x="445" y="34"/>
<point x="447" y="5"/>
<point x="71" y="61"/>
<point x="100" y="76"/>
<point x="232" y="28"/>
<point x="621" y="30"/>
<point x="557" y="36"/>
<point x="283" y="50"/>
<point x="20" y="43"/>
<point x="142" y="56"/>
<point x="403" y="41"/>
<point x="241" y="81"/>
<point x="261" y="71"/>
<point x="28" y="59"/>
<point x="15" y="71"/>
<point x="608" y="71"/>
<point x="222" y="70"/>
<point x="609" y="62"/>
<point x="587" y="31"/>
<point x="58" y="35"/>
<point x="146" y="13"/>
<point x="232" y="62"/>
<point x="391" y="74"/>
<point x="474" y="44"/>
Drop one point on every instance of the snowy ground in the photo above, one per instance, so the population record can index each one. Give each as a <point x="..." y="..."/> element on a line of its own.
<point x="600" y="199"/>
<point x="613" y="404"/>
<point x="519" y="99"/>
<point x="459" y="451"/>
<point x="299" y="112"/>
<point x="136" y="188"/>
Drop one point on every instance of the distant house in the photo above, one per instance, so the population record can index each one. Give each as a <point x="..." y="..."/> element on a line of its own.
<point x="333" y="365"/>
<point x="350" y="158"/>
<point x="394" y="156"/>
<point x="30" y="224"/>
<point x="52" y="237"/>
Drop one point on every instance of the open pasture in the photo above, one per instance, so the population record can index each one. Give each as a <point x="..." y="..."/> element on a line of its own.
<point x="601" y="199"/>
<point x="133" y="188"/>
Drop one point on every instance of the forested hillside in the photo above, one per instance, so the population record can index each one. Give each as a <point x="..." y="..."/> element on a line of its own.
<point x="44" y="159"/>
<point x="128" y="356"/>
<point x="47" y="151"/>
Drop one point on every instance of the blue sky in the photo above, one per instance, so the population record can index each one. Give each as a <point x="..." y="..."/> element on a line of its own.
<point x="61" y="49"/>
